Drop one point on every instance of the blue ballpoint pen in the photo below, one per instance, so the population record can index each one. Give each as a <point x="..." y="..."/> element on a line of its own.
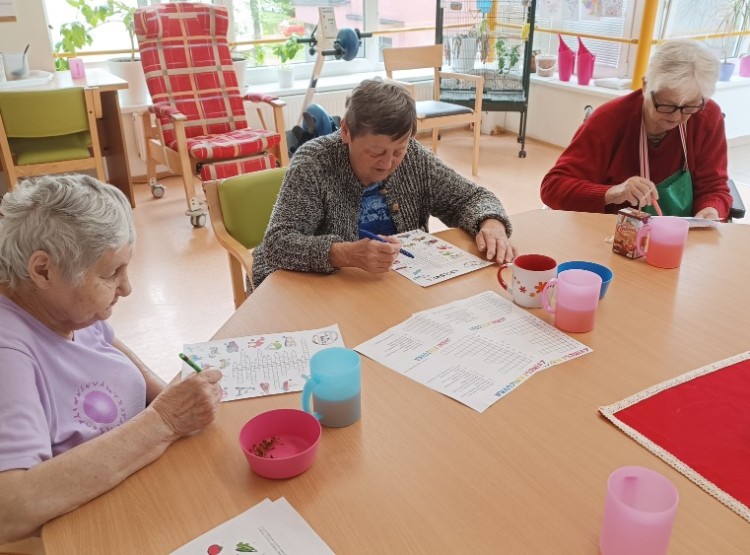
<point x="365" y="233"/>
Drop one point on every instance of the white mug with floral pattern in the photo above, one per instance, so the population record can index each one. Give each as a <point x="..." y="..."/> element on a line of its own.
<point x="529" y="274"/>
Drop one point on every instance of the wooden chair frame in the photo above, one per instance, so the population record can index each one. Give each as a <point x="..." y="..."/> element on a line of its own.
<point x="240" y="257"/>
<point x="15" y="172"/>
<point x="420" y="57"/>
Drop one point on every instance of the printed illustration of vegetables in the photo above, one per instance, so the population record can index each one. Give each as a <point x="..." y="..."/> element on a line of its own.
<point x="243" y="547"/>
<point x="214" y="549"/>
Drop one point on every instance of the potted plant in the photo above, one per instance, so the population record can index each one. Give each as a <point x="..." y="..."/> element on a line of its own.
<point x="736" y="18"/>
<point x="286" y="51"/>
<point x="76" y="34"/>
<point x="128" y="67"/>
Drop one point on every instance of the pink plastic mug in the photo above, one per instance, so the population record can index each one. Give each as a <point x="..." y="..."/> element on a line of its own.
<point x="667" y="236"/>
<point x="529" y="274"/>
<point x="577" y="293"/>
<point x="639" y="511"/>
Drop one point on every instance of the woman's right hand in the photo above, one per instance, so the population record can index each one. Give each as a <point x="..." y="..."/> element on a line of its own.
<point x="190" y="405"/>
<point x="372" y="256"/>
<point x="636" y="190"/>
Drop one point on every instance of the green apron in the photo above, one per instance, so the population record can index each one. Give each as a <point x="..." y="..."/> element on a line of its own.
<point x="676" y="191"/>
<point x="675" y="195"/>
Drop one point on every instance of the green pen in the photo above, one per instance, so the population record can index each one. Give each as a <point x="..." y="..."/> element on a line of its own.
<point x="190" y="363"/>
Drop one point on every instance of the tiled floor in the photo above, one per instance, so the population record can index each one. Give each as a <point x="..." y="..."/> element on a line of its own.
<point x="181" y="290"/>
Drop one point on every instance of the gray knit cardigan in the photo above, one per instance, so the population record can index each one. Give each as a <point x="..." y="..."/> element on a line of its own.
<point x="319" y="204"/>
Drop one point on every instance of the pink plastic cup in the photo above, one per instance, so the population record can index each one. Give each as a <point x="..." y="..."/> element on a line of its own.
<point x="667" y="237"/>
<point x="577" y="293"/>
<point x="639" y="511"/>
<point x="280" y="443"/>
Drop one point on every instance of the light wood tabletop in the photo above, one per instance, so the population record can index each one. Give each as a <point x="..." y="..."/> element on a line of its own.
<point x="422" y="473"/>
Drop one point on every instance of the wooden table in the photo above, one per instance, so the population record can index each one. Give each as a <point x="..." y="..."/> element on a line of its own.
<point x="109" y="118"/>
<point x="421" y="473"/>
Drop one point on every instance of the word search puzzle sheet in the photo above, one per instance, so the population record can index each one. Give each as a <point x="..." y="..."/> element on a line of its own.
<point x="263" y="364"/>
<point x="475" y="350"/>
<point x="434" y="260"/>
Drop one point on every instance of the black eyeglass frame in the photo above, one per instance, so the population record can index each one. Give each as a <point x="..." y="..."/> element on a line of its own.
<point x="671" y="108"/>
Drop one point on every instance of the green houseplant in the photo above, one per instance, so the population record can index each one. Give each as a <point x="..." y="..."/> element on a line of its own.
<point x="285" y="52"/>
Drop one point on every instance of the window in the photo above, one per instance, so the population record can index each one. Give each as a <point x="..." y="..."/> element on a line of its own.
<point x="682" y="18"/>
<point x="271" y="19"/>
<point x="612" y="18"/>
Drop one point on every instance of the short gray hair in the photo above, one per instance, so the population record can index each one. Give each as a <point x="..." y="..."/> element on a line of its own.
<point x="74" y="218"/>
<point x="683" y="66"/>
<point x="381" y="108"/>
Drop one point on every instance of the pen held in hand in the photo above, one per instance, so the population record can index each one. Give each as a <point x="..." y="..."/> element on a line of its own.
<point x="365" y="233"/>
<point x="190" y="363"/>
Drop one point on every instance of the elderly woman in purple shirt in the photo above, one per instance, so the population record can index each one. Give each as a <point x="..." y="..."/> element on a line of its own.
<point x="79" y="412"/>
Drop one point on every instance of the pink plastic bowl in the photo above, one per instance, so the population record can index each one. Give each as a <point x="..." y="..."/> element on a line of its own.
<point x="296" y="436"/>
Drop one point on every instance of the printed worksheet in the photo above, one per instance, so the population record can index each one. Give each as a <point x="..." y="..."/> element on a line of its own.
<point x="475" y="350"/>
<point x="434" y="260"/>
<point x="263" y="364"/>
<point x="268" y="528"/>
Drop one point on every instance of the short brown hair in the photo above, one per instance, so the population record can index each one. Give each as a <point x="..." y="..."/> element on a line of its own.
<point x="381" y="108"/>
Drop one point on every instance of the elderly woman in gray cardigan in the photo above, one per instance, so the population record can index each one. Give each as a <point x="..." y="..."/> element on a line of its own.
<point x="372" y="175"/>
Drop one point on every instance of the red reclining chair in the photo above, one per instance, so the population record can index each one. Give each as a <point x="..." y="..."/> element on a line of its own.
<point x="200" y="125"/>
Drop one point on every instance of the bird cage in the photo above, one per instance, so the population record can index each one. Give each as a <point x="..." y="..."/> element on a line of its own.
<point x="491" y="38"/>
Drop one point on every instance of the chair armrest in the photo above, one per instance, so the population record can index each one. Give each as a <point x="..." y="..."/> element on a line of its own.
<point x="737" y="210"/>
<point x="265" y="98"/>
<point x="167" y="110"/>
<point x="461" y="76"/>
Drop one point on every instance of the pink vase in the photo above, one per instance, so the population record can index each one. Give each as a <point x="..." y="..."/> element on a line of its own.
<point x="565" y="60"/>
<point x="584" y="64"/>
<point x="745" y="66"/>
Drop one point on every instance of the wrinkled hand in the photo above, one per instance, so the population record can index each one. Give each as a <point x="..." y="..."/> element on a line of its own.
<point x="492" y="240"/>
<point x="370" y="255"/>
<point x="190" y="405"/>
<point x="708" y="213"/>
<point x="635" y="190"/>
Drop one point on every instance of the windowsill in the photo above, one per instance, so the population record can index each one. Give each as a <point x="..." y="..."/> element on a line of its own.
<point x="573" y="86"/>
<point x="334" y="83"/>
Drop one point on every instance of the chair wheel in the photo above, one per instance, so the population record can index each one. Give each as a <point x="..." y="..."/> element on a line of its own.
<point x="157" y="190"/>
<point x="198" y="221"/>
<point x="522" y="154"/>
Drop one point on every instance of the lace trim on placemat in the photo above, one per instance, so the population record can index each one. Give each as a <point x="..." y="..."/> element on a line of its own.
<point x="706" y="485"/>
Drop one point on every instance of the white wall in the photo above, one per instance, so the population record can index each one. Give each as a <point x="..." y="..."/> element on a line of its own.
<point x="30" y="28"/>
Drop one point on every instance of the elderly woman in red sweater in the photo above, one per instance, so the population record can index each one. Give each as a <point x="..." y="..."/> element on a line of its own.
<point x="631" y="143"/>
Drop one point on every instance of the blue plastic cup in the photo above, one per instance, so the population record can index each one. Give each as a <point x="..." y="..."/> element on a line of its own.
<point x="334" y="385"/>
<point x="602" y="271"/>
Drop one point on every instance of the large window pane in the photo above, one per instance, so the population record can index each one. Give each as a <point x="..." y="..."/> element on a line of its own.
<point x="611" y="18"/>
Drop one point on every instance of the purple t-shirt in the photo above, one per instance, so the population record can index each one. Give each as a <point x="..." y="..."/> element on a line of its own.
<point x="56" y="393"/>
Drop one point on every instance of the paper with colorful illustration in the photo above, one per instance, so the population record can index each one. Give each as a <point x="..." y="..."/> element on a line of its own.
<point x="434" y="260"/>
<point x="474" y="350"/>
<point x="268" y="528"/>
<point x="263" y="364"/>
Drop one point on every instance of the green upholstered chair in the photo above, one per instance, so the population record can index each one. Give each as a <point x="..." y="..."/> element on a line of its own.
<point x="240" y="209"/>
<point x="43" y="132"/>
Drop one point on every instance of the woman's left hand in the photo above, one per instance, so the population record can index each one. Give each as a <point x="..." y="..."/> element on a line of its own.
<point x="708" y="213"/>
<point x="492" y="240"/>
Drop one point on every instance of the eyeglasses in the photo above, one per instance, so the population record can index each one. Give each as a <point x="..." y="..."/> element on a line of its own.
<point x="671" y="108"/>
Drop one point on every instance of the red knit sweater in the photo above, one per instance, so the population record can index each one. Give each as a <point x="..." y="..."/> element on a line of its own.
<point x="604" y="152"/>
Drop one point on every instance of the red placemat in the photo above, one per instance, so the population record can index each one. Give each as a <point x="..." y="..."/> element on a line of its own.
<point x="698" y="423"/>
